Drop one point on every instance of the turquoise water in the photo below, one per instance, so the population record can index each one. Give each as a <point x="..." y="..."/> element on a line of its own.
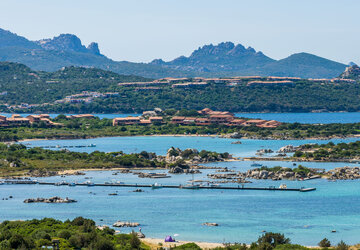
<point x="351" y="117"/>
<point x="242" y="215"/>
<point x="160" y="144"/>
<point x="304" y="217"/>
<point x="311" y="118"/>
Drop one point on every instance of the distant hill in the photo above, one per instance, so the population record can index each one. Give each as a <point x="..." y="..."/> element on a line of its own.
<point x="230" y="59"/>
<point x="224" y="59"/>
<point x="304" y="65"/>
<point x="67" y="50"/>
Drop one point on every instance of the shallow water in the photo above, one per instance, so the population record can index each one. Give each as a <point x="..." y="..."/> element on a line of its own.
<point x="160" y="144"/>
<point x="242" y="214"/>
<point x="304" y="217"/>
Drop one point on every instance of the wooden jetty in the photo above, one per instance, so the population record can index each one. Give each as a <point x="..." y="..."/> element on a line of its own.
<point x="271" y="188"/>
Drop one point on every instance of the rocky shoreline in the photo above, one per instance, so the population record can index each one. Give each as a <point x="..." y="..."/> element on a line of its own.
<point x="281" y="173"/>
<point x="54" y="199"/>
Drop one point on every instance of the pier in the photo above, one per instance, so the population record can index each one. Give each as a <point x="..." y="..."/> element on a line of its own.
<point x="271" y="188"/>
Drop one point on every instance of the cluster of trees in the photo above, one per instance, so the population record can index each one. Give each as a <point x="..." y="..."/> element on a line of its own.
<point x="78" y="233"/>
<point x="299" y="169"/>
<point x="16" y="158"/>
<point x="330" y="151"/>
<point x="81" y="233"/>
<point x="35" y="87"/>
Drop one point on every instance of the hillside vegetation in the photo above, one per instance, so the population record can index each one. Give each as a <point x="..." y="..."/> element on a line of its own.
<point x="19" y="84"/>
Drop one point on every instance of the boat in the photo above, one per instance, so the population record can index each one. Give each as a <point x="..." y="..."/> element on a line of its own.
<point x="61" y="183"/>
<point x="256" y="165"/>
<point x="2" y="183"/>
<point x="191" y="186"/>
<point x="89" y="183"/>
<point x="156" y="186"/>
<point x="72" y="184"/>
<point x="92" y="145"/>
<point x="283" y="186"/>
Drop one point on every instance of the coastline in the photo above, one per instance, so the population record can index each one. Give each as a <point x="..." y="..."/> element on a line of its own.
<point x="191" y="135"/>
<point x="155" y="243"/>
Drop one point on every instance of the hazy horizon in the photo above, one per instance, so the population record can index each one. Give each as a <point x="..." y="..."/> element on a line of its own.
<point x="142" y="30"/>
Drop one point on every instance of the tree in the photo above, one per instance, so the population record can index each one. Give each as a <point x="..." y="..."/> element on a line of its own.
<point x="273" y="239"/>
<point x="134" y="241"/>
<point x="342" y="246"/>
<point x="324" y="243"/>
<point x="103" y="244"/>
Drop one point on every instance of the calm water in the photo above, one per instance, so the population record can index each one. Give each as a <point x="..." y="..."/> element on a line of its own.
<point x="304" y="217"/>
<point x="282" y="117"/>
<point x="160" y="144"/>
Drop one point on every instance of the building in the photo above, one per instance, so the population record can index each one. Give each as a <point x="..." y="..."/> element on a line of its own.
<point x="156" y="119"/>
<point x="130" y="120"/>
<point x="202" y="121"/>
<point x="254" y="122"/>
<point x="17" y="120"/>
<point x="237" y="122"/>
<point x="220" y="119"/>
<point x="177" y="119"/>
<point x="86" y="116"/>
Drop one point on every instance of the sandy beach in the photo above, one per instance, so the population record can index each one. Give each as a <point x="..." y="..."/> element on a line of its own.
<point x="154" y="243"/>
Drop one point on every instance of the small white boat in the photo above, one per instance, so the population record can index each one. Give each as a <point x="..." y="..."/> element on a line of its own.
<point x="283" y="186"/>
<point x="156" y="186"/>
<point x="89" y="183"/>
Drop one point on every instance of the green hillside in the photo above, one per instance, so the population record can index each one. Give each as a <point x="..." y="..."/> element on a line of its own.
<point x="19" y="84"/>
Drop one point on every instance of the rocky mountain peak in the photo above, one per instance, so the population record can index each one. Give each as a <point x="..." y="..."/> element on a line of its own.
<point x="94" y="48"/>
<point x="68" y="42"/>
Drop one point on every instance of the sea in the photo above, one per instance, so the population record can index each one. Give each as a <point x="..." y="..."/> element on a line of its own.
<point x="242" y="215"/>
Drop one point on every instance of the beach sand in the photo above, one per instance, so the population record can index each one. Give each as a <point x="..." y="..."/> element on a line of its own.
<point x="154" y="243"/>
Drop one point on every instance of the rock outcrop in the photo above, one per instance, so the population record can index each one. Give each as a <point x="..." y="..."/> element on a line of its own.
<point x="210" y="224"/>
<point x="54" y="199"/>
<point x="126" y="224"/>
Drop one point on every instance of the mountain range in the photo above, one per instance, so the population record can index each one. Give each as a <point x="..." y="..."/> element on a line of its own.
<point x="224" y="59"/>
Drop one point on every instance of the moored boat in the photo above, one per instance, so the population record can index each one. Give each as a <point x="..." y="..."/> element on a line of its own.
<point x="156" y="186"/>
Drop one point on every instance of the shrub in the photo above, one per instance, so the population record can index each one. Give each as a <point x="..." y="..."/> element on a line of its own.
<point x="103" y="244"/>
<point x="65" y="234"/>
<point x="342" y="246"/>
<point x="273" y="239"/>
<point x="324" y="243"/>
<point x="188" y="246"/>
<point x="134" y="241"/>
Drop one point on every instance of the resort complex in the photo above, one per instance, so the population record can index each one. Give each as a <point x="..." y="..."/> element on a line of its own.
<point x="205" y="117"/>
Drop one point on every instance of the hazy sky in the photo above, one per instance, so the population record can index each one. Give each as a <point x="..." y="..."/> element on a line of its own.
<point x="142" y="30"/>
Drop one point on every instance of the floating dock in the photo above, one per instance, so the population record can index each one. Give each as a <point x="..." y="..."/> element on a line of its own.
<point x="271" y="188"/>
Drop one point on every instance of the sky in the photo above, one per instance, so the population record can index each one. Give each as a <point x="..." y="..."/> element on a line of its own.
<point x="143" y="30"/>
